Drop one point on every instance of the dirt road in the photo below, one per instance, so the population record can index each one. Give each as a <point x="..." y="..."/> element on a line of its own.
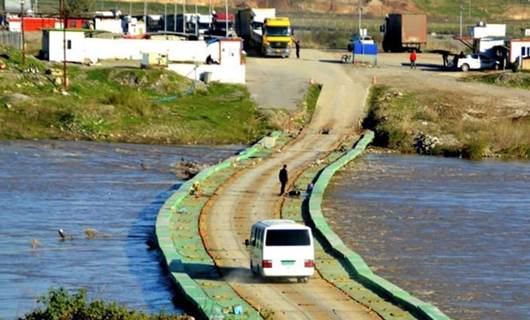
<point x="430" y="78"/>
<point x="252" y="195"/>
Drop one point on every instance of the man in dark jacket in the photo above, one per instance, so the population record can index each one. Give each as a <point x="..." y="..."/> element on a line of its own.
<point x="283" y="178"/>
<point x="297" y="48"/>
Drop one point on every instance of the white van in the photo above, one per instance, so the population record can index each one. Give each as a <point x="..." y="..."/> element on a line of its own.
<point x="281" y="248"/>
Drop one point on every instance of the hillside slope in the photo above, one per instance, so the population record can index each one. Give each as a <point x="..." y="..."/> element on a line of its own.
<point x="480" y="9"/>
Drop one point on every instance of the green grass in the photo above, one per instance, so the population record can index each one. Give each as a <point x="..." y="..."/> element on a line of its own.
<point x="123" y="105"/>
<point x="479" y="8"/>
<point x="311" y="98"/>
<point x="397" y="118"/>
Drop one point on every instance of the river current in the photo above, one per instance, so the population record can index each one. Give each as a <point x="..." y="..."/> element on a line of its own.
<point x="452" y="232"/>
<point x="114" y="189"/>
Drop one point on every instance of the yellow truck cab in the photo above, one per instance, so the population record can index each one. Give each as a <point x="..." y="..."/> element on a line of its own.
<point x="276" y="37"/>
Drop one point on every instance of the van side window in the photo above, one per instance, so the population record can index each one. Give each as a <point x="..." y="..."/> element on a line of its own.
<point x="253" y="237"/>
<point x="259" y="238"/>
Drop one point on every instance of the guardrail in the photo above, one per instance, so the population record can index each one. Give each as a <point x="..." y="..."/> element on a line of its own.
<point x="353" y="262"/>
<point x="11" y="39"/>
<point x="189" y="288"/>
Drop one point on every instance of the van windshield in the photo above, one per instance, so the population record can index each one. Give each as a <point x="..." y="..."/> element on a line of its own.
<point x="287" y="238"/>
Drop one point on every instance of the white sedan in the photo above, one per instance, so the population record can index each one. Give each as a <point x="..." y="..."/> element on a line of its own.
<point x="476" y="62"/>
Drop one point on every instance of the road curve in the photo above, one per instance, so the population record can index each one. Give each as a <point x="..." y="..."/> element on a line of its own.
<point x="252" y="195"/>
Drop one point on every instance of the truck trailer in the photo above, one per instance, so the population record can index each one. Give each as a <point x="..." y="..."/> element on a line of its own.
<point x="264" y="32"/>
<point x="404" y="32"/>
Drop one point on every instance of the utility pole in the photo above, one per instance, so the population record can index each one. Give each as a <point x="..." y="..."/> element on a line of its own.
<point x="22" y="32"/>
<point x="130" y="8"/>
<point x="145" y="15"/>
<point x="184" y="16"/>
<point x="196" y="19"/>
<point x="210" y="14"/>
<point x="175" y="18"/>
<point x="461" y="18"/>
<point x="226" y="18"/>
<point x="360" y="16"/>
<point x="63" y="17"/>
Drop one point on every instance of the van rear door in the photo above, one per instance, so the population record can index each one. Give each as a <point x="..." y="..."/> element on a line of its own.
<point x="290" y="251"/>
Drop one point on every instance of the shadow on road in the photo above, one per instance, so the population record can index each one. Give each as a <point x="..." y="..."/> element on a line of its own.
<point x="429" y="67"/>
<point x="330" y="61"/>
<point x="230" y="274"/>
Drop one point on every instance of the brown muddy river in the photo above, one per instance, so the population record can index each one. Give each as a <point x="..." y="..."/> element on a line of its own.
<point x="116" y="189"/>
<point x="452" y="232"/>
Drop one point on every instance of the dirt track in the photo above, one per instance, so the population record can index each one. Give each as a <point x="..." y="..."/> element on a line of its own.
<point x="429" y="78"/>
<point x="252" y="195"/>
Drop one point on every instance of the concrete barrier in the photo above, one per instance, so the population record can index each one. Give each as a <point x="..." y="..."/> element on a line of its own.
<point x="190" y="289"/>
<point x="355" y="265"/>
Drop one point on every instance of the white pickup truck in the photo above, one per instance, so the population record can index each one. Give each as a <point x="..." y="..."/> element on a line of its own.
<point x="476" y="62"/>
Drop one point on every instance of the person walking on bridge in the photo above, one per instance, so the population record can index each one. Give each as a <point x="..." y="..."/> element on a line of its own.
<point x="284" y="177"/>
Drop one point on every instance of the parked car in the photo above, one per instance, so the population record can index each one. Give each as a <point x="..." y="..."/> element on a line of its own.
<point x="476" y="62"/>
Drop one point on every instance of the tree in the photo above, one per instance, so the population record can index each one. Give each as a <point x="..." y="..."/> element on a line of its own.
<point x="79" y="8"/>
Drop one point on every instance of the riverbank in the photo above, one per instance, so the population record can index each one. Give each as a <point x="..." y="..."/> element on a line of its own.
<point x="122" y="104"/>
<point x="507" y="79"/>
<point x="438" y="123"/>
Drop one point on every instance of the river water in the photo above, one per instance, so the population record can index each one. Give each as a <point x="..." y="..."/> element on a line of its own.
<point x="452" y="232"/>
<point x="115" y="189"/>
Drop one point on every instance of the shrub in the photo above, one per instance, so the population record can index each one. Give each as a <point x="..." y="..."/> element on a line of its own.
<point x="474" y="150"/>
<point x="61" y="305"/>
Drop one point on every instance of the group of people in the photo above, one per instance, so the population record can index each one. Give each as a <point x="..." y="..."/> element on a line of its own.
<point x="445" y="56"/>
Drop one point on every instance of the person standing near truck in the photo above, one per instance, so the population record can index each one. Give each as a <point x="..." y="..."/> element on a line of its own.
<point x="412" y="59"/>
<point x="297" y="47"/>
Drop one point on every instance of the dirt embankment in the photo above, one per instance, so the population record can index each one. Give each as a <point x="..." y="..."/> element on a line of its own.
<point x="433" y="111"/>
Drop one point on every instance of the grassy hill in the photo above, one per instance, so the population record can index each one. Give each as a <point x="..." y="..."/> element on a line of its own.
<point x="481" y="9"/>
<point x="121" y="104"/>
<point x="473" y="9"/>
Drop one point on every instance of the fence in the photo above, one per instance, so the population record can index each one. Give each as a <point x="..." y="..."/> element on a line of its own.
<point x="11" y="39"/>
